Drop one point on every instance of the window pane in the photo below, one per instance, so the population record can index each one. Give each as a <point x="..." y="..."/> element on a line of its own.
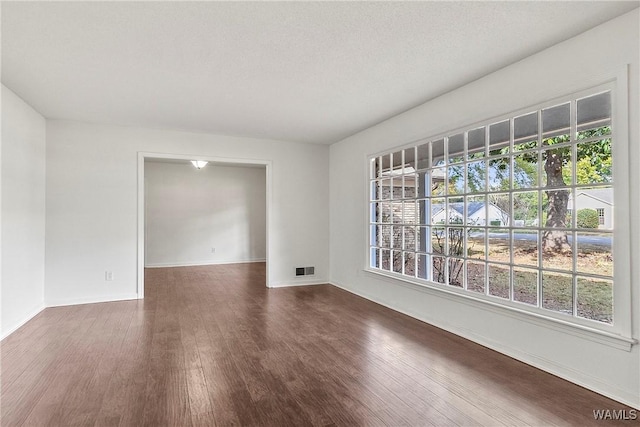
<point x="476" y="143"/>
<point x="525" y="132"/>
<point x="386" y="189"/>
<point x="594" y="208"/>
<point x="376" y="187"/>
<point x="396" y="209"/>
<point x="437" y="153"/>
<point x="555" y="122"/>
<point x="498" y="210"/>
<point x="499" y="138"/>
<point x="525" y="247"/>
<point x="374" y="168"/>
<point x="476" y="243"/>
<point x="525" y="209"/>
<point x="476" y="210"/>
<point x="499" y="174"/>
<point x="456" y="148"/>
<point x="594" y="255"/>
<point x="386" y="216"/>
<point x="456" y="177"/>
<point x="438" y="239"/>
<point x="423" y="266"/>
<point x="423" y="212"/>
<point x="386" y="259"/>
<point x="594" y="115"/>
<point x="410" y="238"/>
<point x="438" y="269"/>
<point x="555" y="205"/>
<point x="556" y="163"/>
<point x="385" y="240"/>
<point x="525" y="285"/>
<point x="499" y="245"/>
<point x="409" y="212"/>
<point x="456" y="240"/>
<point x="423" y="239"/>
<point x="455" y="212"/>
<point x="374" y="211"/>
<point x="557" y="292"/>
<point x="423" y="156"/>
<point x="409" y="183"/>
<point x="397" y="162"/>
<point x="525" y="170"/>
<point x="475" y="276"/>
<point x="397" y="261"/>
<point x="374" y="235"/>
<point x="476" y="176"/>
<point x="398" y="188"/>
<point x="421" y="184"/>
<point x="499" y="280"/>
<point x="410" y="160"/>
<point x="386" y="164"/>
<point x="397" y="237"/>
<point x="595" y="299"/>
<point x="375" y="258"/>
<point x="409" y="263"/>
<point x="456" y="272"/>
<point x="438" y="211"/>
<point x="594" y="162"/>
<point x="438" y="181"/>
<point x="557" y="247"/>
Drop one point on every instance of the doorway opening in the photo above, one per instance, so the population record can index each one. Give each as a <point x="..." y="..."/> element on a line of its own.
<point x="190" y="214"/>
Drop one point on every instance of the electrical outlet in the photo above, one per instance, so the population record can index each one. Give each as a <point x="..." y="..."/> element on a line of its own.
<point x="108" y="276"/>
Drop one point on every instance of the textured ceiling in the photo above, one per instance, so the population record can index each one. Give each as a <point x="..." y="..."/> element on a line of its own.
<point x="297" y="71"/>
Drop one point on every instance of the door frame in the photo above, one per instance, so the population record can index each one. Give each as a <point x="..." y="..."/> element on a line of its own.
<point x="142" y="156"/>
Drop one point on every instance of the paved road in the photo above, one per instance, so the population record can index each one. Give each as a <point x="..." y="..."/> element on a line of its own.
<point x="587" y="240"/>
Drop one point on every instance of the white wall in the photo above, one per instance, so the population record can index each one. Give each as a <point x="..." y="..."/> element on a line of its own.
<point x="575" y="64"/>
<point x="92" y="205"/>
<point x="191" y="211"/>
<point x="23" y="210"/>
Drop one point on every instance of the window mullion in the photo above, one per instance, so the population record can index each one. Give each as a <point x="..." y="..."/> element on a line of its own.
<point x="540" y="224"/>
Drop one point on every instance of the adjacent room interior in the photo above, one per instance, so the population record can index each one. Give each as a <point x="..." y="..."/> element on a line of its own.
<point x="411" y="213"/>
<point x="198" y="212"/>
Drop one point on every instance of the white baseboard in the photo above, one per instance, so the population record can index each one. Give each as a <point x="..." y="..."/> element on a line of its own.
<point x="90" y="300"/>
<point x="301" y="283"/>
<point x="199" y="263"/>
<point x="33" y="313"/>
<point x="565" y="372"/>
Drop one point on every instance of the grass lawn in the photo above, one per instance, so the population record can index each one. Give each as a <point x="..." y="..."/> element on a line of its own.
<point x="594" y="299"/>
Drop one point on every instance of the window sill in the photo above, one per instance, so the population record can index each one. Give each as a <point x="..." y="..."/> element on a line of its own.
<point x="596" y="335"/>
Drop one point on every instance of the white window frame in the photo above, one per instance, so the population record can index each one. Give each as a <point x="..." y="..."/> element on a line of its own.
<point x="619" y="334"/>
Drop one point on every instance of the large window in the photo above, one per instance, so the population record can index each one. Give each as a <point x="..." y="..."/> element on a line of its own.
<point x="511" y="211"/>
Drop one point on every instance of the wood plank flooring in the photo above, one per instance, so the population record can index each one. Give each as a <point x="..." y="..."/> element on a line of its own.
<point x="212" y="346"/>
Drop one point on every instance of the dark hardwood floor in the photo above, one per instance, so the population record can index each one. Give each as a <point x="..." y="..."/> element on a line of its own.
<point x="212" y="346"/>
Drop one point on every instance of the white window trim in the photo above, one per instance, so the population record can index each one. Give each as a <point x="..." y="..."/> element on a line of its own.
<point x="618" y="335"/>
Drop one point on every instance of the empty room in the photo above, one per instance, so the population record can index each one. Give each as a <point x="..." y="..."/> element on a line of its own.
<point x="320" y="213"/>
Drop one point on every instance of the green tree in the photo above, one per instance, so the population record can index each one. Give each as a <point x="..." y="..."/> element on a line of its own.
<point x="593" y="165"/>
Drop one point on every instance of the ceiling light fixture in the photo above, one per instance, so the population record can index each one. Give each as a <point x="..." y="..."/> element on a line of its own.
<point x="199" y="164"/>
